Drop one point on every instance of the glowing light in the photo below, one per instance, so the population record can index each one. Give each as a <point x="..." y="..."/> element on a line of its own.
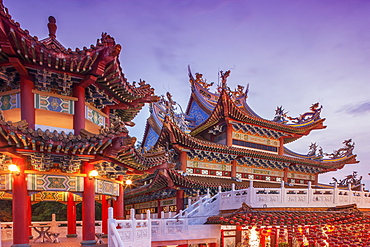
<point x="14" y="169"/>
<point x="93" y="174"/>
<point x="128" y="182"/>
<point x="254" y="238"/>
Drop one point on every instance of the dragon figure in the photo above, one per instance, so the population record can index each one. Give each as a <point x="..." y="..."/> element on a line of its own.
<point x="313" y="115"/>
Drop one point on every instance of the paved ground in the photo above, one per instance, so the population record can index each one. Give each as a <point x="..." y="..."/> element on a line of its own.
<point x="64" y="242"/>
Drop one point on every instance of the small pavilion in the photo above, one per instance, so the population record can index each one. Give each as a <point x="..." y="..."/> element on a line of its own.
<point x="63" y="134"/>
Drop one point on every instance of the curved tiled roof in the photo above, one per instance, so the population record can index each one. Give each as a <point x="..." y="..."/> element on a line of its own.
<point x="99" y="62"/>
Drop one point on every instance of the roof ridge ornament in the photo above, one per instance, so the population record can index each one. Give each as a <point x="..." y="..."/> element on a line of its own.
<point x="314" y="114"/>
<point x="52" y="27"/>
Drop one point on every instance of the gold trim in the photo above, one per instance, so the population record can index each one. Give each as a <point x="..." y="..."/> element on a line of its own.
<point x="54" y="95"/>
<point x="15" y="91"/>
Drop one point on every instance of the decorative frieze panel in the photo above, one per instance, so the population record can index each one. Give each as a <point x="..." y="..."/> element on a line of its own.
<point x="255" y="139"/>
<point x="251" y="170"/>
<point x="10" y="101"/>
<point x="94" y="116"/>
<point x="208" y="166"/>
<point x="6" y="182"/>
<point x="301" y="176"/>
<point x="210" y="156"/>
<point x="40" y="182"/>
<point x="106" y="187"/>
<point x="53" y="103"/>
<point x="255" y="130"/>
<point x="53" y="196"/>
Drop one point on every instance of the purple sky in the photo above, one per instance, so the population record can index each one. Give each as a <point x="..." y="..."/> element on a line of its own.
<point x="292" y="53"/>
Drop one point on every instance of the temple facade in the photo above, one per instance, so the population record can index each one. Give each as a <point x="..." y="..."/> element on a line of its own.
<point x="63" y="134"/>
<point x="223" y="155"/>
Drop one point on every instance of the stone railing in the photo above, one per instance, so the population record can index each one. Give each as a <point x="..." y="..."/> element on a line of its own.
<point x="56" y="226"/>
<point x="292" y="197"/>
<point x="309" y="197"/>
<point x="198" y="212"/>
<point x="129" y="233"/>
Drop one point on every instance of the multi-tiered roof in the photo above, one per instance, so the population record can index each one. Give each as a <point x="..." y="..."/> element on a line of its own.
<point x="253" y="142"/>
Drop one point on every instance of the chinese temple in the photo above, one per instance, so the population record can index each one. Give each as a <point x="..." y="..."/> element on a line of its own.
<point x="220" y="144"/>
<point x="63" y="134"/>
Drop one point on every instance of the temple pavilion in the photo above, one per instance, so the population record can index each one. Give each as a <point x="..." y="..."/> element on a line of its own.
<point x="63" y="134"/>
<point x="219" y="141"/>
<point x="220" y="144"/>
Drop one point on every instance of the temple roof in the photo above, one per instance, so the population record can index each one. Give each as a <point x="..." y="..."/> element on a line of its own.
<point x="96" y="67"/>
<point x="171" y="134"/>
<point x="110" y="145"/>
<point x="233" y="104"/>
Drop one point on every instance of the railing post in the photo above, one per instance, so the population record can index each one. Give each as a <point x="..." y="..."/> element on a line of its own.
<point x="132" y="214"/>
<point x="350" y="194"/>
<point x="208" y="194"/>
<point x="219" y="189"/>
<point x="233" y="187"/>
<point x="335" y="194"/>
<point x="309" y="192"/>
<point x="282" y="193"/>
<point x="251" y="190"/>
<point x="162" y="214"/>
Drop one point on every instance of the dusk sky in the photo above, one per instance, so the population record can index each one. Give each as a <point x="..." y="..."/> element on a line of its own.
<point x="291" y="52"/>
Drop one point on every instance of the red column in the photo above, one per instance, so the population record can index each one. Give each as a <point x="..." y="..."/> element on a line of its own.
<point x="118" y="204"/>
<point x="29" y="218"/>
<point x="20" y="204"/>
<point x="88" y="208"/>
<point x="233" y="169"/>
<point x="286" y="170"/>
<point x="180" y="200"/>
<point x="106" y="111"/>
<point x="71" y="217"/>
<point x="281" y="147"/>
<point x="104" y="214"/>
<point x="27" y="101"/>
<point x="229" y="133"/>
<point x="79" y="115"/>
<point x="183" y="160"/>
<point x="159" y="209"/>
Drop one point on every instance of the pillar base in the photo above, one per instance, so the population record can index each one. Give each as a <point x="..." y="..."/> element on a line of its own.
<point x="88" y="242"/>
<point x="20" y="245"/>
<point x="71" y="235"/>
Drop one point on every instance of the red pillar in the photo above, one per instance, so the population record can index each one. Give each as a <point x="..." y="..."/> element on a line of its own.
<point x="159" y="209"/>
<point x="229" y="132"/>
<point x="106" y="111"/>
<point x="79" y="115"/>
<point x="183" y="160"/>
<point x="118" y="204"/>
<point x="88" y="208"/>
<point x="233" y="168"/>
<point x="71" y="217"/>
<point x="20" y="205"/>
<point x="27" y="101"/>
<point x="104" y="216"/>
<point x="29" y="218"/>
<point x="281" y="147"/>
<point x="180" y="200"/>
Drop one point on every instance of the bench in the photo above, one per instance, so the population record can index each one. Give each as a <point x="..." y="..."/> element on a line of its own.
<point x="54" y="236"/>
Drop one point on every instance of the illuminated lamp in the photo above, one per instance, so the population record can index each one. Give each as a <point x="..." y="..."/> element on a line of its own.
<point x="93" y="174"/>
<point x="14" y="169"/>
<point x="128" y="182"/>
